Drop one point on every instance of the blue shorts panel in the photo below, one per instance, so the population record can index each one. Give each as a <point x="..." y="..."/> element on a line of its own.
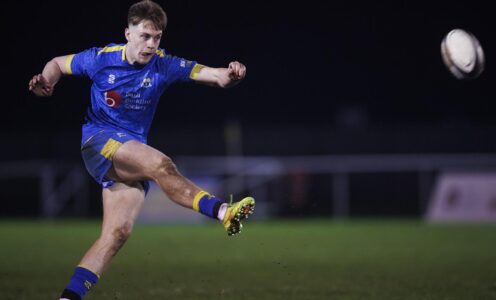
<point x="97" y="152"/>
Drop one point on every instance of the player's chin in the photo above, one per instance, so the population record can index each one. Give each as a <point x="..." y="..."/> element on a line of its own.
<point x="144" y="59"/>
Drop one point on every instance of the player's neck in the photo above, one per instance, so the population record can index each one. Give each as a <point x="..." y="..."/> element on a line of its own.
<point x="129" y="59"/>
<point x="127" y="55"/>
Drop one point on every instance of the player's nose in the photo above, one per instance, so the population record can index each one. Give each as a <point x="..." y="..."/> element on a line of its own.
<point x="150" y="44"/>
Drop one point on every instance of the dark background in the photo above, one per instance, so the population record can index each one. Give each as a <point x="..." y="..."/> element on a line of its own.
<point x="323" y="78"/>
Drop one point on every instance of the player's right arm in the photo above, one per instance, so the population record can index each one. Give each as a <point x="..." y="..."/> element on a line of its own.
<point x="42" y="84"/>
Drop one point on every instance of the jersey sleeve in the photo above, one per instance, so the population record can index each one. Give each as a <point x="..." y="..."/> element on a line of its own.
<point x="178" y="69"/>
<point x="82" y="63"/>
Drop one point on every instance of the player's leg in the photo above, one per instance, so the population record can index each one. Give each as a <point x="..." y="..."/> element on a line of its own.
<point x="135" y="161"/>
<point x="121" y="205"/>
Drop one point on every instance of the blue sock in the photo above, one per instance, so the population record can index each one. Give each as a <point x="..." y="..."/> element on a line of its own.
<point x="81" y="282"/>
<point x="207" y="204"/>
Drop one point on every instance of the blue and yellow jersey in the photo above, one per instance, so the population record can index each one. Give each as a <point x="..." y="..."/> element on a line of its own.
<point x="125" y="96"/>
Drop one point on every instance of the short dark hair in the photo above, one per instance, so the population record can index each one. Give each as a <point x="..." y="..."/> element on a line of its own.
<point x="147" y="10"/>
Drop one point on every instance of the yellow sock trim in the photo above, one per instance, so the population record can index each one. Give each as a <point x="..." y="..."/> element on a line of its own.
<point x="196" y="200"/>
<point x="97" y="275"/>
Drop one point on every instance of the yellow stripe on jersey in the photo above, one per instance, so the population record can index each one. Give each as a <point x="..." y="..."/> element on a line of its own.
<point x="194" y="72"/>
<point x="160" y="53"/>
<point x="112" y="49"/>
<point x="124" y="54"/>
<point x="110" y="148"/>
<point x="68" y="61"/>
<point x="196" y="200"/>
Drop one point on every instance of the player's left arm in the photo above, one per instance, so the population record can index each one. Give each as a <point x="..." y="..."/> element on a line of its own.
<point x="220" y="77"/>
<point x="42" y="84"/>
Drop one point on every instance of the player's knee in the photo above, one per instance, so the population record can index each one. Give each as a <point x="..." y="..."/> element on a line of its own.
<point x="166" y="167"/>
<point x="121" y="234"/>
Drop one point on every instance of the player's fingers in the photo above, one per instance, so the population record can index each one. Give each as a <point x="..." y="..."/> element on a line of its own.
<point x="235" y="66"/>
<point x="240" y="67"/>
<point x="47" y="90"/>
<point x="230" y="72"/>
<point x="41" y="80"/>
<point x="236" y="69"/>
<point x="35" y="79"/>
<point x="32" y="83"/>
<point x="242" y="71"/>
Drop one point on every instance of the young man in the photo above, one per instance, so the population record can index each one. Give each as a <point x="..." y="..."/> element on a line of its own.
<point x="128" y="81"/>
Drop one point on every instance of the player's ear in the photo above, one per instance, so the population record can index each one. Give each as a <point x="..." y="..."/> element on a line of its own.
<point x="126" y="33"/>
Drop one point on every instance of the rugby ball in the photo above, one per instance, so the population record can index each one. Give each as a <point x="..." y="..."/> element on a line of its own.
<point x="462" y="54"/>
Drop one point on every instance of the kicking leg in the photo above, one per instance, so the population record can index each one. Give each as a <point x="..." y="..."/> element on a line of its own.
<point x="134" y="161"/>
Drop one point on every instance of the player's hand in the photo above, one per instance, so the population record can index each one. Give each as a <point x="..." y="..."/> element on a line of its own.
<point x="236" y="71"/>
<point x="40" y="86"/>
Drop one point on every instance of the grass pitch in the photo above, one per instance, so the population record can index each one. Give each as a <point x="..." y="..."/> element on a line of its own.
<point x="269" y="260"/>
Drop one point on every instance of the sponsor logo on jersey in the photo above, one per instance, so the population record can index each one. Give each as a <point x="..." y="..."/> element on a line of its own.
<point x="185" y="63"/>
<point x="111" y="79"/>
<point x="112" y="99"/>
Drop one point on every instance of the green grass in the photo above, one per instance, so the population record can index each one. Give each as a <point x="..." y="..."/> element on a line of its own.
<point x="270" y="260"/>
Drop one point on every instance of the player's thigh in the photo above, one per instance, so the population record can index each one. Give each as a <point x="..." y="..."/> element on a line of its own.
<point x="135" y="161"/>
<point x="121" y="205"/>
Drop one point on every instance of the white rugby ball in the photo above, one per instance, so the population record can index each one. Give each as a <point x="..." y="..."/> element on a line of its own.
<point x="462" y="54"/>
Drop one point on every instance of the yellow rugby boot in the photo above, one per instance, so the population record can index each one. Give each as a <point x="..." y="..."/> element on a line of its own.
<point x="237" y="212"/>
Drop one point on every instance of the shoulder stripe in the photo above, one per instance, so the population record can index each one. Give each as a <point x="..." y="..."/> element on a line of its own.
<point x="68" y="61"/>
<point x="123" y="56"/>
<point x="160" y="53"/>
<point x="112" y="49"/>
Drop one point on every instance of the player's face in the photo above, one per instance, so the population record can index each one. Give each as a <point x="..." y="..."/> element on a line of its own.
<point x="143" y="40"/>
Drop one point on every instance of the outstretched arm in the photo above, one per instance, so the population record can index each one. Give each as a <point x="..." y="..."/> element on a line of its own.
<point x="221" y="77"/>
<point x="42" y="84"/>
